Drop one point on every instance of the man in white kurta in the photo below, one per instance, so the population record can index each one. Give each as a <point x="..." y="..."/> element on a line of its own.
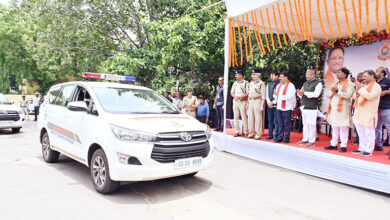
<point x="339" y="110"/>
<point x="310" y="92"/>
<point x="366" y="112"/>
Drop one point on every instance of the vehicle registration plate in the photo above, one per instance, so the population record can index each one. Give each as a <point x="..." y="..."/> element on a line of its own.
<point x="6" y="122"/>
<point x="188" y="162"/>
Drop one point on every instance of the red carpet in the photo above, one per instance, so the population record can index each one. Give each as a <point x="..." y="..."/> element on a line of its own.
<point x="377" y="156"/>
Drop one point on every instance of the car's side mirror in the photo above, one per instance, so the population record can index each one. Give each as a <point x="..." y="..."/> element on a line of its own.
<point x="78" y="106"/>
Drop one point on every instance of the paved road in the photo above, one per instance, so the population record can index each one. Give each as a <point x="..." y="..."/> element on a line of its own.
<point x="233" y="188"/>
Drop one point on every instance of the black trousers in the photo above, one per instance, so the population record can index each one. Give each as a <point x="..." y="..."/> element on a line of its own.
<point x="284" y="121"/>
<point x="219" y="112"/>
<point x="36" y="112"/>
<point x="201" y="119"/>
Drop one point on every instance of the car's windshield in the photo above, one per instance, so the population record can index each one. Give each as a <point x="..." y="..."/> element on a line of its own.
<point x="133" y="101"/>
<point x="4" y="100"/>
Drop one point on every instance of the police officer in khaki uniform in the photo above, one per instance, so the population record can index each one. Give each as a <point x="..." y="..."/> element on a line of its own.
<point x="190" y="103"/>
<point x="24" y="106"/>
<point x="239" y="93"/>
<point x="255" y="104"/>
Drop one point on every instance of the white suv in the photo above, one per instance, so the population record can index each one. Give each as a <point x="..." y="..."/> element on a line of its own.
<point x="11" y="116"/>
<point x="122" y="132"/>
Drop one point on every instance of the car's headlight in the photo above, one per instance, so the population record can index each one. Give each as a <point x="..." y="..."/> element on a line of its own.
<point x="208" y="131"/>
<point x="20" y="112"/>
<point x="124" y="134"/>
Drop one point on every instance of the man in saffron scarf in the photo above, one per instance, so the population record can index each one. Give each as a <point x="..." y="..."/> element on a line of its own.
<point x="286" y="101"/>
<point x="366" y="112"/>
<point x="339" y="109"/>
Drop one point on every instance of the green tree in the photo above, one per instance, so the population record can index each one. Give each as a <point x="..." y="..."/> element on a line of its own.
<point x="16" y="59"/>
<point x="188" y="49"/>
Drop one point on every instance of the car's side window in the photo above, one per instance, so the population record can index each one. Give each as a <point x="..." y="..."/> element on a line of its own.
<point x="83" y="95"/>
<point x="53" y="94"/>
<point x="65" y="96"/>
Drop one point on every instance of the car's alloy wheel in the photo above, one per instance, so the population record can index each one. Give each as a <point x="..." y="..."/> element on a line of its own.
<point x="100" y="173"/>
<point x="48" y="154"/>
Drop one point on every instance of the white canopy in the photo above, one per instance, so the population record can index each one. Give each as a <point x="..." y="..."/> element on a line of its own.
<point x="335" y="16"/>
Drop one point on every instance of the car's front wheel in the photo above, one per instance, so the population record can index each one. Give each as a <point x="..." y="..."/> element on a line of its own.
<point x="100" y="173"/>
<point x="48" y="154"/>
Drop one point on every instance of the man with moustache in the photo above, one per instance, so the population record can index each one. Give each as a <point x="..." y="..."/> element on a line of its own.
<point x="367" y="97"/>
<point x="256" y="104"/>
<point x="339" y="109"/>
<point x="239" y="93"/>
<point x="310" y="93"/>
<point x="271" y="106"/>
<point x="219" y="104"/>
<point x="286" y="99"/>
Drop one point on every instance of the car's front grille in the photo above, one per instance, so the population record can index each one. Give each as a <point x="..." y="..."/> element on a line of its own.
<point x="9" y="116"/>
<point x="170" y="147"/>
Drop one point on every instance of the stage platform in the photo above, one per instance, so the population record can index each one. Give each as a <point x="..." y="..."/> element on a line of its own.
<point x="366" y="172"/>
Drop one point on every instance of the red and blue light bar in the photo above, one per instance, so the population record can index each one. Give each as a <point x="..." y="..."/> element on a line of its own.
<point x="111" y="77"/>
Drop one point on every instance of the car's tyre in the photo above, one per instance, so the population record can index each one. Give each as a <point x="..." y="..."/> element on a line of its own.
<point x="15" y="130"/>
<point x="100" y="173"/>
<point x="48" y="154"/>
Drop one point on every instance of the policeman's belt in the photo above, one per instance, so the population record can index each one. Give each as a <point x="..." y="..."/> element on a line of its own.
<point x="190" y="110"/>
<point x="250" y="98"/>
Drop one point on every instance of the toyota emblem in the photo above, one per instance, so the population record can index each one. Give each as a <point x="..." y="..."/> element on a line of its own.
<point x="185" y="136"/>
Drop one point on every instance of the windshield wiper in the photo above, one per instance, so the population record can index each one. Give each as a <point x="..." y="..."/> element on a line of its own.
<point x="143" y="113"/>
<point x="166" y="112"/>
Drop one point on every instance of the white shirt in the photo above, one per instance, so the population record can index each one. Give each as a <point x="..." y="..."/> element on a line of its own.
<point x="267" y="97"/>
<point x="315" y="94"/>
<point x="36" y="101"/>
<point x="289" y="97"/>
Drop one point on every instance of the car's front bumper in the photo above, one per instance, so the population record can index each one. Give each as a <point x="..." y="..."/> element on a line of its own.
<point x="150" y="168"/>
<point x="12" y="124"/>
<point x="125" y="172"/>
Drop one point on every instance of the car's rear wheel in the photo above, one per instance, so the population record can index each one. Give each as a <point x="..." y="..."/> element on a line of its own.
<point x="15" y="130"/>
<point x="48" y="154"/>
<point x="100" y="173"/>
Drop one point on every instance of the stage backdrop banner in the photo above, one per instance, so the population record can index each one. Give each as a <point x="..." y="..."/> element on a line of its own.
<point x="355" y="58"/>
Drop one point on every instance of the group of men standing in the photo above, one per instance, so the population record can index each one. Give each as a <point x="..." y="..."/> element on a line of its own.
<point x="191" y="105"/>
<point x="369" y="111"/>
<point x="280" y="97"/>
<point x="350" y="101"/>
<point x="37" y="101"/>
